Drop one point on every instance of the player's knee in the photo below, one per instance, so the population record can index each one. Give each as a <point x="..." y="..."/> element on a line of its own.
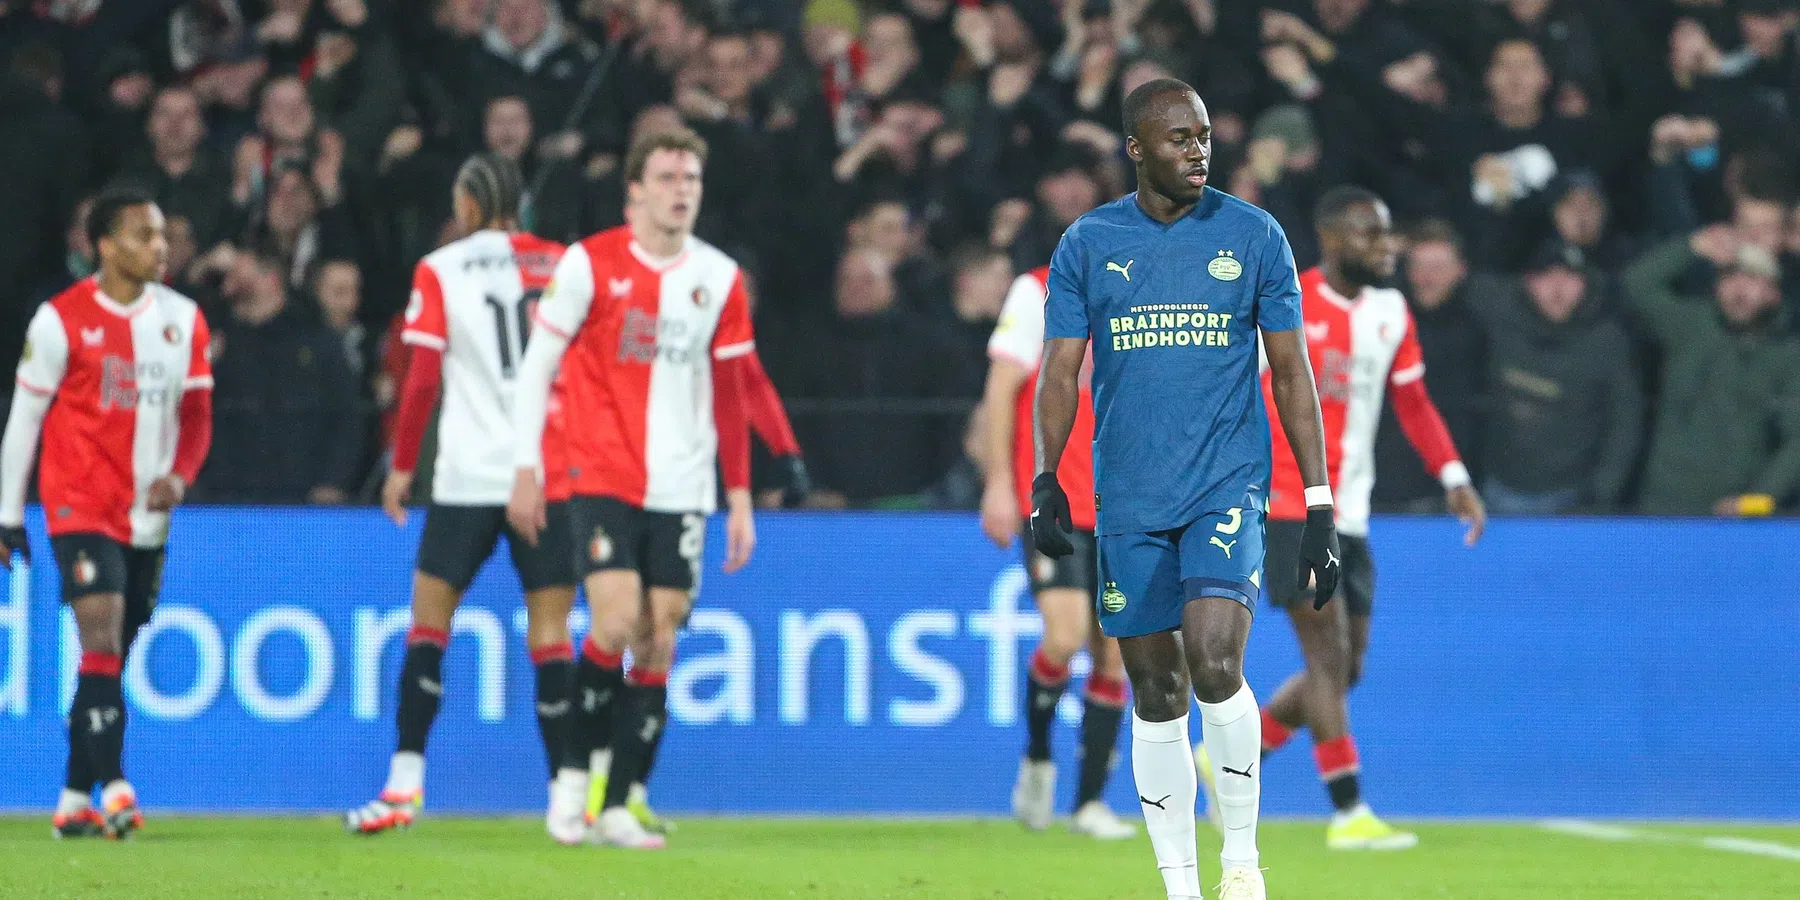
<point x="1061" y="640"/>
<point x="1161" y="697"/>
<point x="615" y="625"/>
<point x="1354" y="673"/>
<point x="1216" y="677"/>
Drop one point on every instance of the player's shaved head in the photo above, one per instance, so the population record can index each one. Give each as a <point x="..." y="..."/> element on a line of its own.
<point x="1169" y="139"/>
<point x="1147" y="100"/>
<point x="1356" y="236"/>
<point x="1338" y="202"/>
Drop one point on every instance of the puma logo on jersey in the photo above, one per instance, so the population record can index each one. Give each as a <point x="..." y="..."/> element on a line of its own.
<point x="1318" y="331"/>
<point x="93" y="337"/>
<point x="1223" y="546"/>
<point x="1124" y="270"/>
<point x="620" y="287"/>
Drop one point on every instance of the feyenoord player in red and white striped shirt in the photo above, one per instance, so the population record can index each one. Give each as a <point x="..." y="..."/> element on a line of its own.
<point x="1362" y="343"/>
<point x="1065" y="588"/>
<point x="467" y="322"/>
<point x="115" y="377"/>
<point x="650" y="326"/>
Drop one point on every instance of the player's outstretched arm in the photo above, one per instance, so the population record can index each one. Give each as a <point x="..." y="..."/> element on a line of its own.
<point x="1297" y="402"/>
<point x="1059" y="389"/>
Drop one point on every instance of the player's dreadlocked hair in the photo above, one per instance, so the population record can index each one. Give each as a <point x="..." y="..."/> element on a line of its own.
<point x="1337" y="201"/>
<point x="1138" y="103"/>
<point x="495" y="183"/>
<point x="103" y="217"/>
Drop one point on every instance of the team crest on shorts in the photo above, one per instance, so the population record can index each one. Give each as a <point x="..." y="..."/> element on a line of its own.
<point x="600" y="548"/>
<point x="172" y="334"/>
<point x="85" y="571"/>
<point x="1112" y="599"/>
<point x="1225" y="267"/>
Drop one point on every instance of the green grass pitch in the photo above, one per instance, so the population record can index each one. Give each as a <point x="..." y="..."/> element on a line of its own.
<point x="183" y="858"/>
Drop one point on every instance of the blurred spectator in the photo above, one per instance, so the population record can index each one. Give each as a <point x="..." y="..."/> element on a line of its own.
<point x="356" y="83"/>
<point x="43" y="170"/>
<point x="289" y="427"/>
<point x="288" y="135"/>
<point x="1728" y="416"/>
<point x="1514" y="149"/>
<point x="1282" y="176"/>
<point x="1566" y="411"/>
<point x="187" y="179"/>
<point x="298" y="225"/>
<point x="886" y="226"/>
<point x="337" y="284"/>
<point x="528" y="51"/>
<point x="1582" y="220"/>
<point x="126" y="88"/>
<point x="875" y="350"/>
<point x="1454" y="345"/>
<point x="982" y="277"/>
<point x="1065" y="190"/>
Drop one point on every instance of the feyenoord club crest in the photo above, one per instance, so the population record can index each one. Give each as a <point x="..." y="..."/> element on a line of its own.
<point x="85" y="571"/>
<point x="600" y="549"/>
<point x="701" y="296"/>
<point x="172" y="334"/>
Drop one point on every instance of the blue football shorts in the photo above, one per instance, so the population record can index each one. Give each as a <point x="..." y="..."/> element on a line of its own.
<point x="1146" y="579"/>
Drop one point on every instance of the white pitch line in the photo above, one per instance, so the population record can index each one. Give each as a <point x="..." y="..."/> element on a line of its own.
<point x="1594" y="830"/>
<point x="1601" y="831"/>
<point x="1756" y="848"/>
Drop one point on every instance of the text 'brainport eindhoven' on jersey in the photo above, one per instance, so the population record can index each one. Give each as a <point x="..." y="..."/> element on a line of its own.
<point x="1173" y="312"/>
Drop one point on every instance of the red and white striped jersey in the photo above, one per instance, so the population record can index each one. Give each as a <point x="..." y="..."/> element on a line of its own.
<point x="636" y="382"/>
<point x="116" y="374"/>
<point x="1019" y="337"/>
<point x="473" y="300"/>
<point x="1358" y="348"/>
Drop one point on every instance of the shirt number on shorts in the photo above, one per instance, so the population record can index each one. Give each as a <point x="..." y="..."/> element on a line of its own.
<point x="1232" y="526"/>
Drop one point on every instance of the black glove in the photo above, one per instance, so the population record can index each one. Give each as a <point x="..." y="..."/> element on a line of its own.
<point x="12" y="540"/>
<point x="1319" y="556"/>
<point x="799" y="483"/>
<point x="1050" y="522"/>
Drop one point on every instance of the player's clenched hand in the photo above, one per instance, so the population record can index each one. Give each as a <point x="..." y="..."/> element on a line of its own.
<point x="525" y="509"/>
<point x="740" y="532"/>
<point x="1466" y="505"/>
<point x="165" y="493"/>
<point x="12" y="540"/>
<point x="1051" y="523"/>
<point x="1000" y="514"/>
<point x="394" y="494"/>
<point x="1320" y="561"/>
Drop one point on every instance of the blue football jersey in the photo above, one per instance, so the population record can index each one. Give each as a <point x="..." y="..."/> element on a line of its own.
<point x="1173" y="312"/>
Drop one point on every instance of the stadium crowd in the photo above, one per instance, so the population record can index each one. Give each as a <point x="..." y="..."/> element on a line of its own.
<point x="1603" y="248"/>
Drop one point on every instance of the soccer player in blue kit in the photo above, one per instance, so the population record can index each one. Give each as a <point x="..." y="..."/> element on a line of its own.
<point x="1173" y="284"/>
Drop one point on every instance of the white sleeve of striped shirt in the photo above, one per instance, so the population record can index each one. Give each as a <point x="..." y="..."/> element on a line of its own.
<point x="561" y="311"/>
<point x="40" y="373"/>
<point x="23" y="426"/>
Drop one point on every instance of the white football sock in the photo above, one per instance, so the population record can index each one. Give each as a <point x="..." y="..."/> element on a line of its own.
<point x="1232" y="731"/>
<point x="1163" y="766"/>
<point x="70" y="802"/>
<point x="406" y="773"/>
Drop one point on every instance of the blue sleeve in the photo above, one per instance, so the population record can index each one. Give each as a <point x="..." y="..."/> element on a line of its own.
<point x="1065" y="309"/>
<point x="1277" y="283"/>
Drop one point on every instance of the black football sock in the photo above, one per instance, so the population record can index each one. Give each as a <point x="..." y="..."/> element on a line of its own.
<point x="556" y="703"/>
<point x="655" y="747"/>
<point x="599" y="681"/>
<point x="640" y="721"/>
<point x="98" y="714"/>
<point x="421" y="686"/>
<point x="1044" y="686"/>
<point x="80" y="771"/>
<point x="1339" y="765"/>
<point x="1102" y="710"/>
